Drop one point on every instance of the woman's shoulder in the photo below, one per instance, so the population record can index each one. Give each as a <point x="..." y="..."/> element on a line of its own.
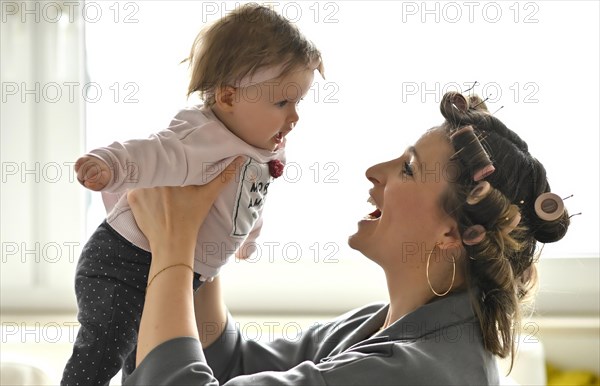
<point x="365" y="310"/>
<point x="374" y="313"/>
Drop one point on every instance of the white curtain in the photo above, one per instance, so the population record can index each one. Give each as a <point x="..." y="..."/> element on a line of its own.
<point x="42" y="77"/>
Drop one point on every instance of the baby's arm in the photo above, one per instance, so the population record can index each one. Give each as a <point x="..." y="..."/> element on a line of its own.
<point x="161" y="160"/>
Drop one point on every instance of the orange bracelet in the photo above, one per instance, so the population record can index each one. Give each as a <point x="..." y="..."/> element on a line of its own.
<point x="164" y="269"/>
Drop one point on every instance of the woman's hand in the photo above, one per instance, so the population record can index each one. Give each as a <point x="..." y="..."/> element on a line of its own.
<point x="172" y="216"/>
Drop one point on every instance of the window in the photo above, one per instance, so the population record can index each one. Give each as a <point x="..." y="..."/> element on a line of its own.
<point x="387" y="66"/>
<point x="42" y="72"/>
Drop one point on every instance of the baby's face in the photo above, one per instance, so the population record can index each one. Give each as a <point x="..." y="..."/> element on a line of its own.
<point x="263" y="114"/>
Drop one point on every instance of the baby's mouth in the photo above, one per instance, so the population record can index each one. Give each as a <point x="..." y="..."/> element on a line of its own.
<point x="278" y="138"/>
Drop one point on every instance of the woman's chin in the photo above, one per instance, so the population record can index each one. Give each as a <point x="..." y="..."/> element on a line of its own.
<point x="354" y="242"/>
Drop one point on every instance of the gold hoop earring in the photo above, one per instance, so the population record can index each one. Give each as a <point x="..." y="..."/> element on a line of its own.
<point x="429" y="282"/>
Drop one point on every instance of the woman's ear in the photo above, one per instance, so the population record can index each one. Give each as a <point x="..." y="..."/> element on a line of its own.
<point x="224" y="98"/>
<point x="451" y="239"/>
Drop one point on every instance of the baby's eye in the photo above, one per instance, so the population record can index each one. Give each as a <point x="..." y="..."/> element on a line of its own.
<point x="281" y="104"/>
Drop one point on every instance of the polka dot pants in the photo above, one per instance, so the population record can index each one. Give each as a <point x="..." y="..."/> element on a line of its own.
<point x="110" y="284"/>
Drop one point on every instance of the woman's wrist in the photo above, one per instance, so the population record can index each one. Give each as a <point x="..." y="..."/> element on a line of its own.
<point x="167" y="253"/>
<point x="165" y="257"/>
<point x="172" y="266"/>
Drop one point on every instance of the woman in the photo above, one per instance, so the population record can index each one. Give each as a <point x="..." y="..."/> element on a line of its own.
<point x="470" y="224"/>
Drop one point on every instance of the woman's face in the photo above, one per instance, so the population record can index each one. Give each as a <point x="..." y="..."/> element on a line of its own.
<point x="407" y="192"/>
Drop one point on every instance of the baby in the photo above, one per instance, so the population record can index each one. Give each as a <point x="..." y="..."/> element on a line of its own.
<point x="251" y="68"/>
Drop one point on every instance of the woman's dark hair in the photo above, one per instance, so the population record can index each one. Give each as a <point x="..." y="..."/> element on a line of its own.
<point x="499" y="270"/>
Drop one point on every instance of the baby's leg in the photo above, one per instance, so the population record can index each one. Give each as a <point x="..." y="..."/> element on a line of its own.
<point x="110" y="287"/>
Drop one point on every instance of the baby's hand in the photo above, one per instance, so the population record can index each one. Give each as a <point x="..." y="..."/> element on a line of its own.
<point x="92" y="172"/>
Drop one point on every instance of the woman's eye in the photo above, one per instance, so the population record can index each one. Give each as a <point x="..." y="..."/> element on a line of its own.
<point x="407" y="169"/>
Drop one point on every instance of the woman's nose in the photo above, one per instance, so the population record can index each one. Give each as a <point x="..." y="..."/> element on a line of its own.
<point x="374" y="174"/>
<point x="378" y="174"/>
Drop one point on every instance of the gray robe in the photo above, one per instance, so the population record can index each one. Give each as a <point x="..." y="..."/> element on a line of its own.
<point x="440" y="343"/>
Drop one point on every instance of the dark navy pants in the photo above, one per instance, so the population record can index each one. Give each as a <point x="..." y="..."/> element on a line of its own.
<point x="110" y="285"/>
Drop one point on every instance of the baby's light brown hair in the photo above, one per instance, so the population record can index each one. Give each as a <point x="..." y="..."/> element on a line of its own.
<point x="250" y="38"/>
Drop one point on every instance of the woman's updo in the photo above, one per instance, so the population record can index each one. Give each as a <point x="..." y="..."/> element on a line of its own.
<point x="492" y="196"/>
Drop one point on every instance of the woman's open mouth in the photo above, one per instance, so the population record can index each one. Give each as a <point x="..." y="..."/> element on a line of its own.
<point x="376" y="214"/>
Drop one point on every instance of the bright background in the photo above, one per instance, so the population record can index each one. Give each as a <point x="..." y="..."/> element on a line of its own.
<point x="387" y="66"/>
<point x="386" y="71"/>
